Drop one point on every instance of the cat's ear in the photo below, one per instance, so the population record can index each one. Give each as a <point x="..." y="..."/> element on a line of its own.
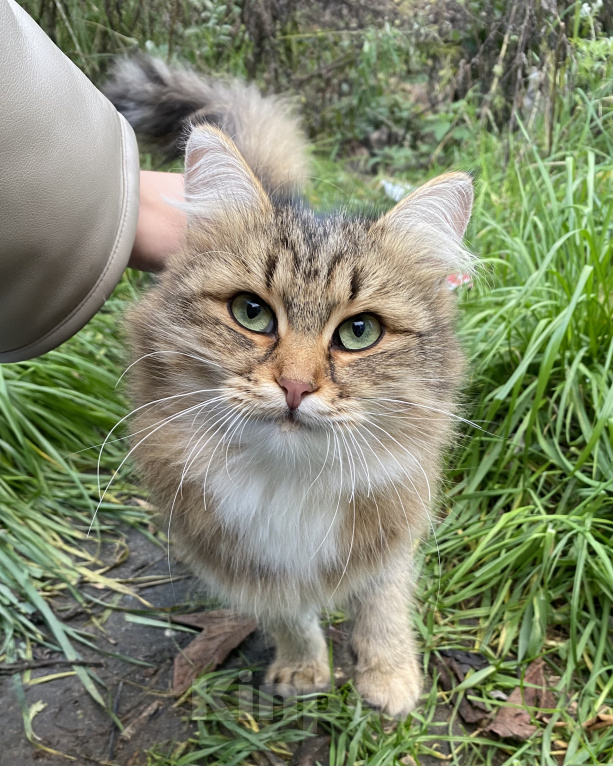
<point x="432" y="221"/>
<point x="217" y="178"/>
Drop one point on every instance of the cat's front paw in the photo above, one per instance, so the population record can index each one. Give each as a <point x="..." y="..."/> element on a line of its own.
<point x="303" y="677"/>
<point x="396" y="692"/>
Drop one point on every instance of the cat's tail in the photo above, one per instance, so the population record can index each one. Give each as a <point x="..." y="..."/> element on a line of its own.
<point x="163" y="104"/>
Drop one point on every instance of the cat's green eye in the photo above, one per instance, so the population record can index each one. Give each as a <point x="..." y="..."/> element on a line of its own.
<point x="251" y="312"/>
<point x="358" y="332"/>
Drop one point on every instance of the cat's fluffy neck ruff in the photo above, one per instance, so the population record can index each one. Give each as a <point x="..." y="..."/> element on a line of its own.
<point x="285" y="493"/>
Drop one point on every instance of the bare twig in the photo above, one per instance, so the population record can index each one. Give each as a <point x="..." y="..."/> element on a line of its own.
<point x="12" y="668"/>
<point x="115" y="729"/>
<point x="141" y="720"/>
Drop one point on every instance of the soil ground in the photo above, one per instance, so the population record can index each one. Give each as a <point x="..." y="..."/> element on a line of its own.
<point x="72" y="724"/>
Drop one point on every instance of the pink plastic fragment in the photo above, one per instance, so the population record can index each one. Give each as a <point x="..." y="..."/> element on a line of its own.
<point x="457" y="280"/>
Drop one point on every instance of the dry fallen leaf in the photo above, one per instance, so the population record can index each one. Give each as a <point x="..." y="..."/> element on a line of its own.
<point x="513" y="721"/>
<point x="462" y="661"/>
<point x="473" y="711"/>
<point x="222" y="631"/>
<point x="457" y="662"/>
<point x="602" y="720"/>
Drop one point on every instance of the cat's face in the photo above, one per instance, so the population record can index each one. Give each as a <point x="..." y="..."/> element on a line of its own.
<point x="303" y="326"/>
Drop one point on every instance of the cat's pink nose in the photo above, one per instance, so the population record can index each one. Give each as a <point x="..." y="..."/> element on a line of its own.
<point x="295" y="391"/>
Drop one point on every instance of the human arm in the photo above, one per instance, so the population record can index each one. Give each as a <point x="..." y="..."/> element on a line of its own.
<point x="69" y="192"/>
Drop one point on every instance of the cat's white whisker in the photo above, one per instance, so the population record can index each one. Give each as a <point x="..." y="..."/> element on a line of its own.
<point x="218" y="403"/>
<point x="392" y="484"/>
<point x="246" y="422"/>
<point x="350" y="461"/>
<point x="187" y="462"/>
<point x="426" y="508"/>
<point x="198" y="448"/>
<point x="229" y="435"/>
<point x="400" y="466"/>
<point x="323" y="465"/>
<point x="165" y="351"/>
<point x="372" y="496"/>
<point x="172" y="507"/>
<point x="220" y="441"/>
<point x="447" y="413"/>
<point x="425" y="475"/>
<point x="167" y="421"/>
<point x="340" y="494"/>
<point x="362" y="459"/>
<point x="138" y="409"/>
<point x="121" y="438"/>
<point x="344" y="572"/>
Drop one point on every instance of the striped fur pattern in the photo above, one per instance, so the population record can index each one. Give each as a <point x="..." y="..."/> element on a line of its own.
<point x="287" y="512"/>
<point x="163" y="105"/>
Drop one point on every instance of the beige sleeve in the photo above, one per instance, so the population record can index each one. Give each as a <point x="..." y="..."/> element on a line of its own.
<point x="69" y="173"/>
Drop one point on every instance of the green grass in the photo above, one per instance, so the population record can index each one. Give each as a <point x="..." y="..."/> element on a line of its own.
<point x="521" y="566"/>
<point x="51" y="411"/>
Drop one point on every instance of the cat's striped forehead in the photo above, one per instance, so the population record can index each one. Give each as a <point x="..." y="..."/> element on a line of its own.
<point x="313" y="264"/>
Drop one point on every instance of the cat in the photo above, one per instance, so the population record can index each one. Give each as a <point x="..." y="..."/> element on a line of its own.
<point x="295" y="380"/>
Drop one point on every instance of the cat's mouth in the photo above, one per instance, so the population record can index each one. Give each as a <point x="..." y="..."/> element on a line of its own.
<point x="291" y="421"/>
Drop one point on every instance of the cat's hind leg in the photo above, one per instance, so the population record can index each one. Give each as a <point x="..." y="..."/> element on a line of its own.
<point x="387" y="672"/>
<point x="301" y="663"/>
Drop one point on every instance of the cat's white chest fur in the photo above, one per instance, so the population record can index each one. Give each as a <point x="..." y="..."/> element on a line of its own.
<point x="287" y="518"/>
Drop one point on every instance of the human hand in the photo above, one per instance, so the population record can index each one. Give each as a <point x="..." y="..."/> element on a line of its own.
<point x="161" y="228"/>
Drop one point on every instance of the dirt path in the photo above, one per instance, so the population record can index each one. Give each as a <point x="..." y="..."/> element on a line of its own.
<point x="70" y="721"/>
<point x="137" y="685"/>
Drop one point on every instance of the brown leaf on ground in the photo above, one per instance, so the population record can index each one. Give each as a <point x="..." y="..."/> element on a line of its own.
<point x="222" y="631"/>
<point x="473" y="711"/>
<point x="602" y="720"/>
<point x="462" y="661"/>
<point x="444" y="674"/>
<point x="513" y="721"/>
<point x="457" y="662"/>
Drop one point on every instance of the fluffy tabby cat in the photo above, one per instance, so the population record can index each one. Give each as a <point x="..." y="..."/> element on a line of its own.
<point x="296" y="380"/>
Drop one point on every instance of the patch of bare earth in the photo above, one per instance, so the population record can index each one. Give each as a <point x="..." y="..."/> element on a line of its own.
<point x="144" y="669"/>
